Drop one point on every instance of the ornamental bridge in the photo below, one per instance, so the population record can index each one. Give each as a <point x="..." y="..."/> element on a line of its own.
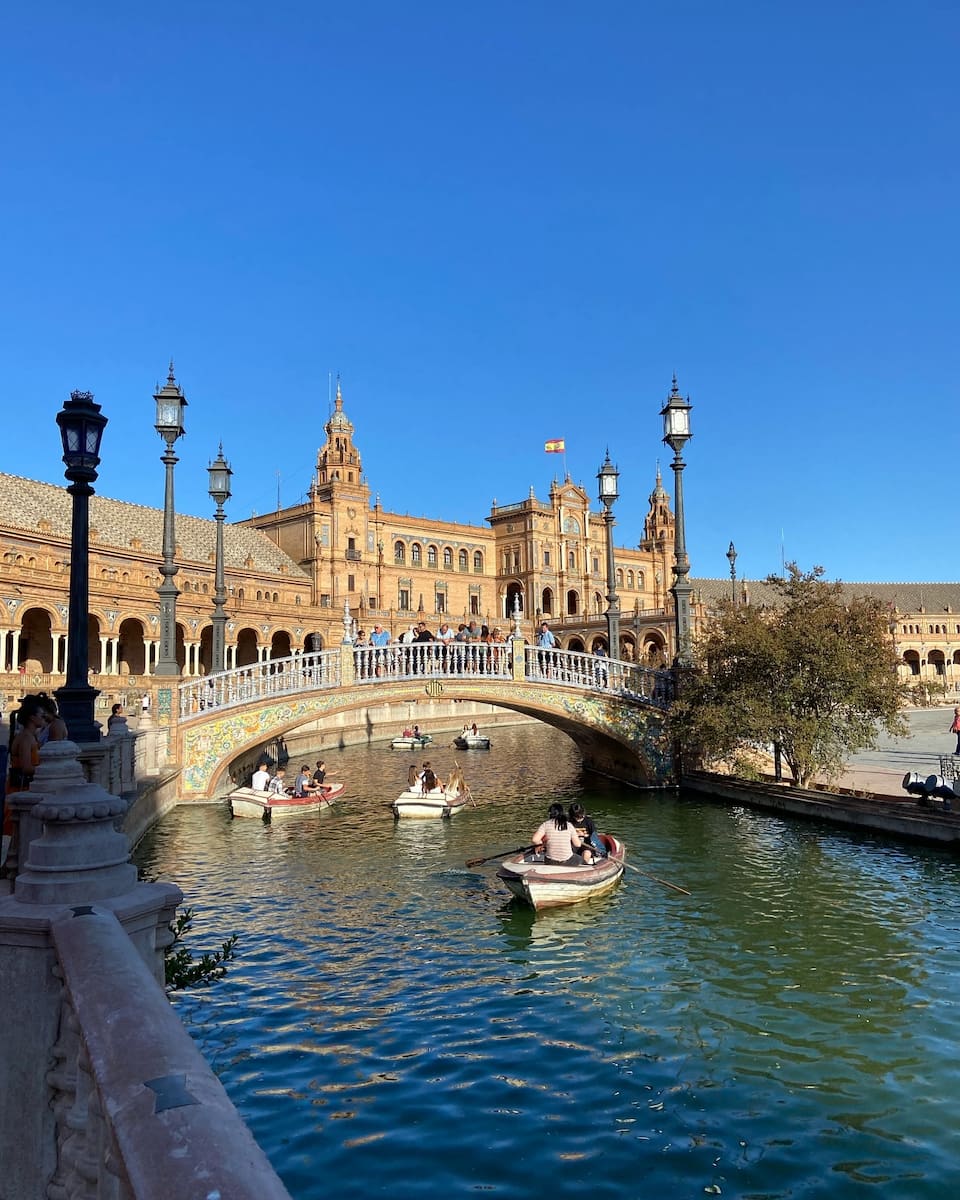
<point x="613" y="710"/>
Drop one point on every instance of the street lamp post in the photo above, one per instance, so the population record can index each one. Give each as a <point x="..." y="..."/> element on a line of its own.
<point x="219" y="473"/>
<point x="81" y="428"/>
<point x="676" y="434"/>
<point x="732" y="560"/>
<point x="608" y="477"/>
<point x="170" y="402"/>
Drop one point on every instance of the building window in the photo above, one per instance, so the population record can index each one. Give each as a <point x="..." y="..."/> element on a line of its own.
<point x="572" y="560"/>
<point x="403" y="600"/>
<point x="546" y="558"/>
<point x="431" y="556"/>
<point x="448" y="558"/>
<point x="351" y="583"/>
<point x="516" y="562"/>
<point x="399" y="552"/>
<point x="462" y="560"/>
<point x="474" y="606"/>
<point x="441" y="602"/>
<point x="372" y="602"/>
<point x="478" y="562"/>
<point x="415" y="554"/>
<point x="596" y="565"/>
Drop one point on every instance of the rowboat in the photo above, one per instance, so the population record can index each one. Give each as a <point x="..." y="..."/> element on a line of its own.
<point x="247" y="802"/>
<point x="471" y="741"/>
<point x="543" y="885"/>
<point x="433" y="804"/>
<point x="408" y="742"/>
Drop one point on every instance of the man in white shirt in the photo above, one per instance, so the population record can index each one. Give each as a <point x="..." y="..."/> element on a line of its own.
<point x="261" y="778"/>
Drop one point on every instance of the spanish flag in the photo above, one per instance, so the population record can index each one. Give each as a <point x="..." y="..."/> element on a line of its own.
<point x="555" y="446"/>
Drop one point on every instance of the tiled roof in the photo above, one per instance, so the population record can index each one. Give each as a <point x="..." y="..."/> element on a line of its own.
<point x="904" y="597"/>
<point x="24" y="503"/>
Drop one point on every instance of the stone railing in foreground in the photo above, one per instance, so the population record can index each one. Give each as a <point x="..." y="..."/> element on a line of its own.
<point x="103" y="1093"/>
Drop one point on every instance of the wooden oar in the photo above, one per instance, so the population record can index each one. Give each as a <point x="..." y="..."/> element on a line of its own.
<point x="475" y="862"/>
<point x="656" y="879"/>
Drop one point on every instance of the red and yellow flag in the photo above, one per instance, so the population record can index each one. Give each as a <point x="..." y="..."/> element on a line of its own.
<point x="555" y="446"/>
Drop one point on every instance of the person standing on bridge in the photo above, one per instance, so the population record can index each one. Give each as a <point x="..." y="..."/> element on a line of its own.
<point x="546" y="641"/>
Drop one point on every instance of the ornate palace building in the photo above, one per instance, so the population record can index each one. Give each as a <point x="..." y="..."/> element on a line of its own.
<point x="292" y="574"/>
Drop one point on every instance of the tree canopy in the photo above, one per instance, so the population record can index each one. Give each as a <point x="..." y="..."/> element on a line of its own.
<point x="815" y="674"/>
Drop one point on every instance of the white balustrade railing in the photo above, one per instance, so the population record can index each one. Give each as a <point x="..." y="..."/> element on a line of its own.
<point x="261" y="681"/>
<point x="418" y="660"/>
<point x="574" y="668"/>
<point x="412" y="660"/>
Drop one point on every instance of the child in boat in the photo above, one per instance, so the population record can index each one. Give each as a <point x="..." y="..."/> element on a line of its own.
<point x="558" y="840"/>
<point x="428" y="779"/>
<point x="587" y="830"/>
<point x="413" y="779"/>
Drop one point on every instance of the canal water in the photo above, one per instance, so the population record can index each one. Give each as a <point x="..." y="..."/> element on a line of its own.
<point x="393" y="1025"/>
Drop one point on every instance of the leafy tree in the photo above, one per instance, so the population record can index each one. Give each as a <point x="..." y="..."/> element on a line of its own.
<point x="814" y="674"/>
<point x="182" y="970"/>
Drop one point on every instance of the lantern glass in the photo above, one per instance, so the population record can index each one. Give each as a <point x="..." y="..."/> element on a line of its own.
<point x="168" y="415"/>
<point x="608" y="477"/>
<point x="220" y="474"/>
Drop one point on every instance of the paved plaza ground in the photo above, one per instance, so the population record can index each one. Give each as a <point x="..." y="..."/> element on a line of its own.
<point x="881" y="771"/>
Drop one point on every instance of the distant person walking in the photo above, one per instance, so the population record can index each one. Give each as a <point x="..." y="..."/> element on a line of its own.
<point x="955" y="727"/>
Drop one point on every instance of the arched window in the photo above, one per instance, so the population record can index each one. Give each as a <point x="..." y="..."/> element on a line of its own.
<point x="276" y="597"/>
<point x="431" y="556"/>
<point x="399" y="552"/>
<point x="462" y="560"/>
<point x="619" y="577"/>
<point x="478" y="562"/>
<point x="629" y="579"/>
<point x="259" y="595"/>
<point x="447" y="557"/>
<point x="415" y="554"/>
<point x="572" y="560"/>
<point x="546" y="602"/>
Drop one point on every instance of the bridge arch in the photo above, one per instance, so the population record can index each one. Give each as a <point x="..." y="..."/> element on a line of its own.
<point x="615" y="715"/>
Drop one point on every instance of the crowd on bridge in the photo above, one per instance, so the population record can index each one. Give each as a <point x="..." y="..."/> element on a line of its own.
<point x="468" y="649"/>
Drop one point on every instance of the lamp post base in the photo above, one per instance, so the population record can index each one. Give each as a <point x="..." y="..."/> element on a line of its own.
<point x="76" y="705"/>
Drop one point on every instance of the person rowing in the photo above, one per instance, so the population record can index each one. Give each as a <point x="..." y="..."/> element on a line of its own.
<point x="558" y="840"/>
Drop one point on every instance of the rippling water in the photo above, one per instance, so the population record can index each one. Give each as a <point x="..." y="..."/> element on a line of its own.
<point x="393" y="1025"/>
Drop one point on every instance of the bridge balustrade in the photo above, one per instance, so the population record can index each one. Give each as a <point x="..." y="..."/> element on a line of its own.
<point x="140" y="1115"/>
<point x="412" y="660"/>
<point x="574" y="668"/>
<point x="261" y="681"/>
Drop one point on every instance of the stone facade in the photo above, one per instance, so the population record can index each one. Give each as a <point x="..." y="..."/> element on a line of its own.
<point x="290" y="574"/>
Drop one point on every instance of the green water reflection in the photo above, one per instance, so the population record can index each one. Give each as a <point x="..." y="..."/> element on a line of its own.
<point x="395" y="1026"/>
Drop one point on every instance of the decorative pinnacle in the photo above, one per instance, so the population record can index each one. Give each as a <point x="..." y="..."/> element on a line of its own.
<point x="171" y="378"/>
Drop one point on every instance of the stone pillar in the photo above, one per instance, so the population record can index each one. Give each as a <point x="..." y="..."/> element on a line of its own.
<point x="115" y="655"/>
<point x="104" y="660"/>
<point x="60" y="640"/>
<point x="15" y="649"/>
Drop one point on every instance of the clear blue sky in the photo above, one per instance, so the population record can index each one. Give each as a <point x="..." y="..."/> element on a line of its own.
<point x="501" y="223"/>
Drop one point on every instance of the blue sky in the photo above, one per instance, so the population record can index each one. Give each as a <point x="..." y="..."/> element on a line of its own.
<point x="501" y="223"/>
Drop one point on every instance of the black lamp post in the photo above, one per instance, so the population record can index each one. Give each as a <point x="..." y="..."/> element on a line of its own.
<point x="81" y="428"/>
<point x="219" y="473"/>
<point x="608" y="477"/>
<point x="676" y="434"/>
<point x="169" y="424"/>
<point x="732" y="560"/>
